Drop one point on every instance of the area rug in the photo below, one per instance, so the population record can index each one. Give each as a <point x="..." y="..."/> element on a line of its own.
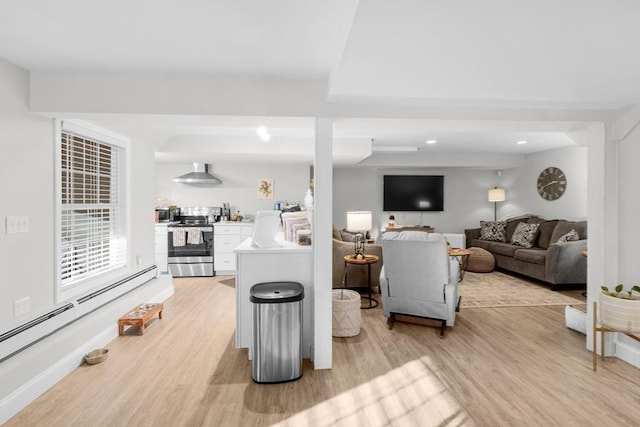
<point x="498" y="289"/>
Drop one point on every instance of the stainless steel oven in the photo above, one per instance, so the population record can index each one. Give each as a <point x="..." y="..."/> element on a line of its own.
<point x="190" y="243"/>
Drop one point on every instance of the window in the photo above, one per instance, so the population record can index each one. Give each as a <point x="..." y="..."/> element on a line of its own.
<point x="91" y="223"/>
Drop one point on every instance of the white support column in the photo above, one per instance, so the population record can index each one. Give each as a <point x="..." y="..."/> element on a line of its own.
<point x="322" y="257"/>
<point x="600" y="158"/>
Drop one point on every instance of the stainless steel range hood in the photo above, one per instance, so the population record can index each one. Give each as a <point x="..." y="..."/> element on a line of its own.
<point x="200" y="175"/>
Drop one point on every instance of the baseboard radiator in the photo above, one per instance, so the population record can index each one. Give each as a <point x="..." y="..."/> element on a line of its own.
<point x="29" y="333"/>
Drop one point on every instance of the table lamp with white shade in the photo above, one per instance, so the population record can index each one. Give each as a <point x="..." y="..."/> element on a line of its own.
<point x="359" y="222"/>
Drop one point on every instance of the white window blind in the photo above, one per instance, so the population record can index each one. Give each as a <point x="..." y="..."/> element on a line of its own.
<point x="92" y="220"/>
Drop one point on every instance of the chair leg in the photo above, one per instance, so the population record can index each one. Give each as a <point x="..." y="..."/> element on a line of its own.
<point x="458" y="305"/>
<point x="390" y="320"/>
<point x="444" y="323"/>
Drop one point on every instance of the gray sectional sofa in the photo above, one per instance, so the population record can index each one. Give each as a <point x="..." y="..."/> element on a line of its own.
<point x="549" y="259"/>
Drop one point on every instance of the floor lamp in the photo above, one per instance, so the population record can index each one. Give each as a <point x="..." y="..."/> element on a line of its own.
<point x="496" y="195"/>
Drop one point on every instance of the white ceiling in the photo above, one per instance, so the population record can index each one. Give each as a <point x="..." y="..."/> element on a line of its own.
<point x="454" y="54"/>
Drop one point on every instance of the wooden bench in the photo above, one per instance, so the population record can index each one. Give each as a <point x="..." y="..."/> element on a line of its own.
<point x="139" y="316"/>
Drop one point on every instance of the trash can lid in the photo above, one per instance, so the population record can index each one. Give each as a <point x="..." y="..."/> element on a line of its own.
<point x="276" y="292"/>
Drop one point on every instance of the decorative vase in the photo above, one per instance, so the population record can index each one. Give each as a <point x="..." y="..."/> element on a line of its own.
<point x="308" y="204"/>
<point x="346" y="313"/>
<point x="620" y="314"/>
<point x="308" y="200"/>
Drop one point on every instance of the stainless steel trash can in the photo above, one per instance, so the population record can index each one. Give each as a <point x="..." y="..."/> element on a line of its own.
<point x="277" y="331"/>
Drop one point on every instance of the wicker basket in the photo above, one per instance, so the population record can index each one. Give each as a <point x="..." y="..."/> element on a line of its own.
<point x="346" y="313"/>
<point x="620" y="314"/>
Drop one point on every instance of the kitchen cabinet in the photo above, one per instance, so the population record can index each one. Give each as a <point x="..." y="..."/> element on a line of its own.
<point x="161" y="247"/>
<point x="226" y="237"/>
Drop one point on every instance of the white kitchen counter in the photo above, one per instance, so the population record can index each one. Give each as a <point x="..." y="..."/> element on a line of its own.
<point x="287" y="263"/>
<point x="234" y="223"/>
<point x="285" y="247"/>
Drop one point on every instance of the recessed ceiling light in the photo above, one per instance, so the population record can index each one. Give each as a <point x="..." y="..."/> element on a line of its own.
<point x="521" y="142"/>
<point x="263" y="133"/>
<point x="431" y="141"/>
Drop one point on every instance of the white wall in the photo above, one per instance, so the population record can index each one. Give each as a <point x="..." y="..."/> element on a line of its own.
<point x="465" y="192"/>
<point x="465" y="197"/>
<point x="27" y="259"/>
<point x="26" y="188"/>
<point x="629" y="206"/>
<point x="628" y="180"/>
<point x="573" y="203"/>
<point x="239" y="184"/>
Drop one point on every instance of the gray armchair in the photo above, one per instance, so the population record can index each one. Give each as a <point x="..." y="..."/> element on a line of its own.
<point x="418" y="278"/>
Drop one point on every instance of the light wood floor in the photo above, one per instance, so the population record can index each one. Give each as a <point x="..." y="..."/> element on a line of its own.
<point x="496" y="367"/>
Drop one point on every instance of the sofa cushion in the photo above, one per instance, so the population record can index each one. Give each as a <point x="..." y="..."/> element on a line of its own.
<point x="505" y="249"/>
<point x="532" y="255"/>
<point x="511" y="226"/>
<point x="335" y="233"/>
<point x="484" y="244"/>
<point x="535" y="220"/>
<point x="347" y="236"/>
<point x="525" y="234"/>
<point x="569" y="237"/>
<point x="544" y="233"/>
<point x="563" y="227"/>
<point x="492" y="230"/>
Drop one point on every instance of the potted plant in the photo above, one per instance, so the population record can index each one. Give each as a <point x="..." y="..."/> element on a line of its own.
<point x="620" y="308"/>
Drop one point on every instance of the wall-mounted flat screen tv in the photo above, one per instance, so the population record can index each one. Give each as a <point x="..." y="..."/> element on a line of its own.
<point x="413" y="193"/>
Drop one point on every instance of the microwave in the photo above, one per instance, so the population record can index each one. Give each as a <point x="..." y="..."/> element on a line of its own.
<point x="167" y="214"/>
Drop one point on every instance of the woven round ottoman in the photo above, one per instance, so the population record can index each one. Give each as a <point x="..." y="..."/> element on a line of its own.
<point x="346" y="313"/>
<point x="480" y="261"/>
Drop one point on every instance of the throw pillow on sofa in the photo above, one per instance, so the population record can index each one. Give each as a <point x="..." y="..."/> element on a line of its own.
<point x="348" y="236"/>
<point x="569" y="237"/>
<point x="492" y="230"/>
<point x="525" y="235"/>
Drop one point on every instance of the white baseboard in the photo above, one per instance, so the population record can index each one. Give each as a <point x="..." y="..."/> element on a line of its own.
<point x="628" y="353"/>
<point x="27" y="393"/>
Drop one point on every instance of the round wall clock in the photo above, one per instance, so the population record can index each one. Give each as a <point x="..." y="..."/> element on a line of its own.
<point x="552" y="183"/>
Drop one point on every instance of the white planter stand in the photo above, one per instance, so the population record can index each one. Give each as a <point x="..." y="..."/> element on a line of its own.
<point x="346" y="313"/>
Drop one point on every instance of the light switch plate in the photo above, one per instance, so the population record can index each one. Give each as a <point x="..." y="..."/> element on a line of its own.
<point x="17" y="224"/>
<point x="21" y="306"/>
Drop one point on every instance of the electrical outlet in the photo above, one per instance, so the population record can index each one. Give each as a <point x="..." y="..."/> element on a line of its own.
<point x="17" y="224"/>
<point x="138" y="260"/>
<point x="21" y="306"/>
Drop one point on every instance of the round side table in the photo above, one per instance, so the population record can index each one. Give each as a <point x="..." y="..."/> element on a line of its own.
<point x="463" y="258"/>
<point x="368" y="260"/>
